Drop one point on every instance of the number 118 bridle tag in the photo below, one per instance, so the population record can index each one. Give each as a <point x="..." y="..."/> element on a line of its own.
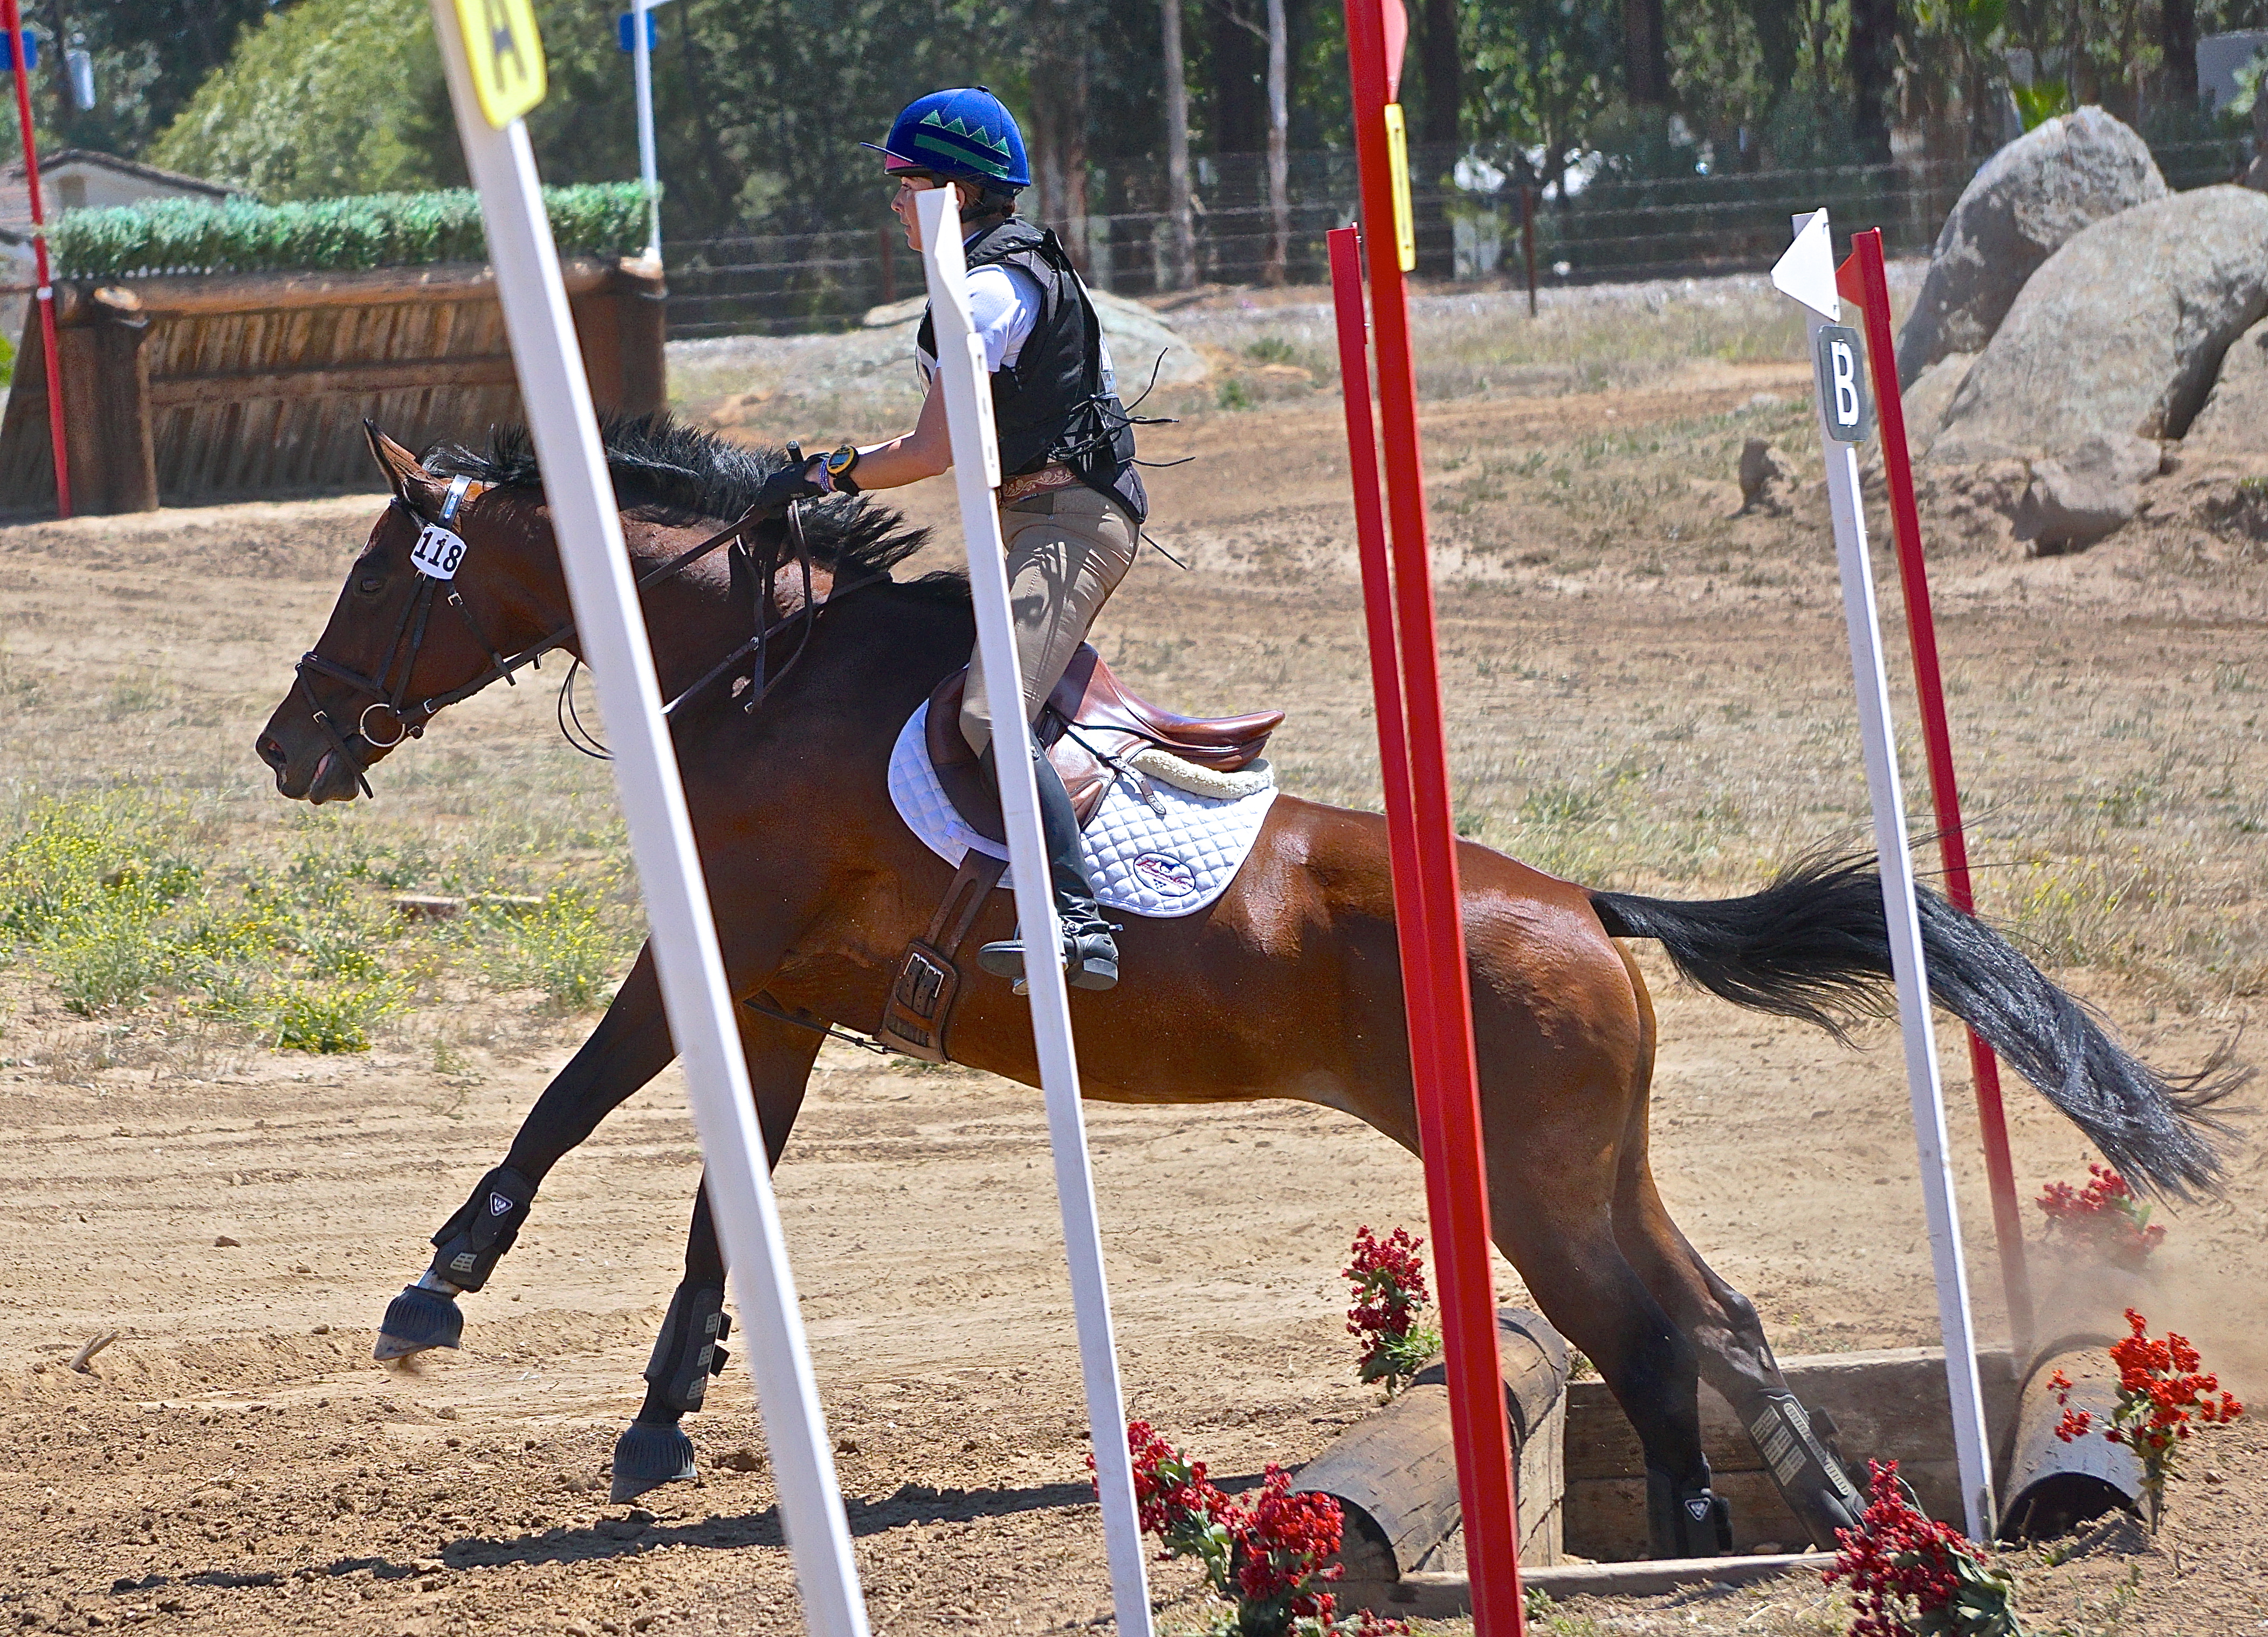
<point x="437" y="552"/>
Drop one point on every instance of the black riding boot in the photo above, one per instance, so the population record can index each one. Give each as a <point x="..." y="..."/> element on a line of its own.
<point x="1090" y="954"/>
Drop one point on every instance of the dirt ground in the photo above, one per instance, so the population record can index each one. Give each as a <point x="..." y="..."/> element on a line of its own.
<point x="1646" y="690"/>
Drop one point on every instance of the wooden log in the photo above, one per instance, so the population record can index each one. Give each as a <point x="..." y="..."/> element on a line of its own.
<point x="2052" y="1487"/>
<point x="1884" y="1405"/>
<point x="199" y="294"/>
<point x="337" y="381"/>
<point x="1394" y="1473"/>
<point x="642" y="321"/>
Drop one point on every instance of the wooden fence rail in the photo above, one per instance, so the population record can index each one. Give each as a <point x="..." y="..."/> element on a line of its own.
<point x="184" y="391"/>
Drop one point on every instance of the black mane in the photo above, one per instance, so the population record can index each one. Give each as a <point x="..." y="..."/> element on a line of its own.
<point x="666" y="471"/>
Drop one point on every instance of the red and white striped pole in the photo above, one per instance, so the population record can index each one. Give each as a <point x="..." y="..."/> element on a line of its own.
<point x="1398" y="597"/>
<point x="1862" y="281"/>
<point x="12" y="19"/>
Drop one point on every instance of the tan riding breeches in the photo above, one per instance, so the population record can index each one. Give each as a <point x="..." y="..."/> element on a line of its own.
<point x="1067" y="551"/>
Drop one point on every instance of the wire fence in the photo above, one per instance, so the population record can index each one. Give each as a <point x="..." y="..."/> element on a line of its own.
<point x="1605" y="229"/>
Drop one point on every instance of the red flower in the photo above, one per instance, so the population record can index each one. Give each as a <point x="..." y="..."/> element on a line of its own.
<point x="1389" y="1294"/>
<point x="2163" y="1395"/>
<point x="1906" y="1570"/>
<point x="2104" y="1218"/>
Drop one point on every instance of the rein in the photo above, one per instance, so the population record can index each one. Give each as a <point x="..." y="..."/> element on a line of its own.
<point x="409" y="721"/>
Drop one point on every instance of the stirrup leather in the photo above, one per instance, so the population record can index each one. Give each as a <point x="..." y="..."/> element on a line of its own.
<point x="927" y="981"/>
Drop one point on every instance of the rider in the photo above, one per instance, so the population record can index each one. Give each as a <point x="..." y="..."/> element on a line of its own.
<point x="1071" y="504"/>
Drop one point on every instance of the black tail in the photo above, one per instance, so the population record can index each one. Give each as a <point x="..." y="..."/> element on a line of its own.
<point x="1813" y="946"/>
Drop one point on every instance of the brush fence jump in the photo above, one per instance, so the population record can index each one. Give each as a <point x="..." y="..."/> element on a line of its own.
<point x="184" y="391"/>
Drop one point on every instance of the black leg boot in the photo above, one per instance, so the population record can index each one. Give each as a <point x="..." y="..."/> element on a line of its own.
<point x="1686" y="1519"/>
<point x="1090" y="954"/>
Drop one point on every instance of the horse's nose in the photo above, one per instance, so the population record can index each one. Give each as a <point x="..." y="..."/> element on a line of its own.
<point x="271" y="753"/>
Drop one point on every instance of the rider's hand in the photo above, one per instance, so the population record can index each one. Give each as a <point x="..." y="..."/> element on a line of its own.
<point x="800" y="481"/>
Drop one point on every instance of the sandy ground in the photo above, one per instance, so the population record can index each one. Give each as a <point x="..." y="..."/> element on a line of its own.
<point x="235" y="1464"/>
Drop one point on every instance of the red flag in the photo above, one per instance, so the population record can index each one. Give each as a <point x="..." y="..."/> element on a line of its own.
<point x="1397" y="42"/>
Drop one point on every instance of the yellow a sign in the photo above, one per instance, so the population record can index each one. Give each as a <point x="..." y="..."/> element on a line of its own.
<point x="1398" y="158"/>
<point x="505" y="55"/>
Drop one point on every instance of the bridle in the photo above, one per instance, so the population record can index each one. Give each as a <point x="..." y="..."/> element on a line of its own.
<point x="389" y="697"/>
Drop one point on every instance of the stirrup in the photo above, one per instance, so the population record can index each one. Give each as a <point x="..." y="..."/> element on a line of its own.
<point x="1090" y="958"/>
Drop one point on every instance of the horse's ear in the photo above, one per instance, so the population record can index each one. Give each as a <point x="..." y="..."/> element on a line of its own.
<point x="408" y="480"/>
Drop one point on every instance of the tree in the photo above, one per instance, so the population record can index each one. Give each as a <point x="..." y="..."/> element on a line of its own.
<point x="1646" y="57"/>
<point x="1279" y="156"/>
<point x="150" y="58"/>
<point x="1439" y="56"/>
<point x="1872" y="57"/>
<point x="1177" y="150"/>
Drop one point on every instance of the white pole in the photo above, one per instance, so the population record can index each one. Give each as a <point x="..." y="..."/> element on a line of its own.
<point x="684" y="937"/>
<point x="975" y="472"/>
<point x="1876" y="733"/>
<point x="642" y="72"/>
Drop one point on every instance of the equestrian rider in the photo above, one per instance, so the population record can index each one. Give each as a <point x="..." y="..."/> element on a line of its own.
<point x="1071" y="504"/>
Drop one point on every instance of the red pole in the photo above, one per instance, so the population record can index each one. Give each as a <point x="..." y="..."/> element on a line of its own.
<point x="1435" y="985"/>
<point x="1872" y="292"/>
<point x="1378" y="614"/>
<point x="12" y="19"/>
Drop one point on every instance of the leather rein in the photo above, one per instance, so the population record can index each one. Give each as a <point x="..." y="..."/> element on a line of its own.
<point x="410" y="720"/>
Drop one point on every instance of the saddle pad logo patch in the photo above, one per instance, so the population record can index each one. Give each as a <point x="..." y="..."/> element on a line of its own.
<point x="1165" y="872"/>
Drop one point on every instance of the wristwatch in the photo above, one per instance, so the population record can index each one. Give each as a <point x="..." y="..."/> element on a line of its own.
<point x="839" y="463"/>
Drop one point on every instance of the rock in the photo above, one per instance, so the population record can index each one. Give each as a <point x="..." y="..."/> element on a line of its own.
<point x="2075" y="501"/>
<point x="2234" y="419"/>
<point x="223" y="1242"/>
<point x="2121" y="334"/>
<point x="1762" y="472"/>
<point x="1136" y="336"/>
<point x="743" y="1459"/>
<point x="2030" y="198"/>
<point x="1931" y="395"/>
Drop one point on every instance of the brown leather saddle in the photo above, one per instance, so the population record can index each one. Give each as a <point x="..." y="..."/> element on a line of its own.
<point x="1089" y="724"/>
<point x="1090" y="721"/>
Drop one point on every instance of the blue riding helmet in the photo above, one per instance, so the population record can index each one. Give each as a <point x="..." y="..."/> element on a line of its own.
<point x="966" y="135"/>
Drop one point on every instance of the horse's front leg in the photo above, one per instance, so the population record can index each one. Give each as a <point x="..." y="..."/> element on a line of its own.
<point x="631" y="1045"/>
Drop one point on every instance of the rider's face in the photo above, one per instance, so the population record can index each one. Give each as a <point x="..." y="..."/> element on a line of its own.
<point x="902" y="205"/>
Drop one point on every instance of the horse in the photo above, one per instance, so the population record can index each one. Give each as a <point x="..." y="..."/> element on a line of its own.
<point x="1286" y="986"/>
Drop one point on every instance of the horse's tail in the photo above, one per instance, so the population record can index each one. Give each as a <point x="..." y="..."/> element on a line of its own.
<point x="1813" y="945"/>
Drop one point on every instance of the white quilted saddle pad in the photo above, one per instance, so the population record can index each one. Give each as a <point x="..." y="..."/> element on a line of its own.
<point x="1163" y="860"/>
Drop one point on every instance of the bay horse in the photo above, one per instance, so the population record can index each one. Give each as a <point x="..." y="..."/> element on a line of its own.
<point x="1287" y="986"/>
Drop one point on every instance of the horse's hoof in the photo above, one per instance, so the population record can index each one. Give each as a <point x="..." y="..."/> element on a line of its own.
<point x="646" y="1456"/>
<point x="418" y="1319"/>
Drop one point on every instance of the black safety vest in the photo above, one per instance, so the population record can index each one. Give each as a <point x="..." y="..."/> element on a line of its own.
<point x="1051" y="404"/>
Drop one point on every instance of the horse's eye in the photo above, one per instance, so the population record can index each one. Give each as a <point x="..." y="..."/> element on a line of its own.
<point x="370" y="585"/>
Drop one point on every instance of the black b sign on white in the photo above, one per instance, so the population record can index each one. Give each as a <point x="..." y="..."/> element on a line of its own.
<point x="1842" y="386"/>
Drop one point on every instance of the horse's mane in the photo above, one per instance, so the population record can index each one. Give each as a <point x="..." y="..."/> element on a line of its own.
<point x="666" y="471"/>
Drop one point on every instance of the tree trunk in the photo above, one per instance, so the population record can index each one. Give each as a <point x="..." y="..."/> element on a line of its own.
<point x="1060" y="76"/>
<point x="1279" y="154"/>
<point x="1438" y="57"/>
<point x="1239" y="122"/>
<point x="2177" y="38"/>
<point x="1177" y="151"/>
<point x="1645" y="54"/>
<point x="1873" y="60"/>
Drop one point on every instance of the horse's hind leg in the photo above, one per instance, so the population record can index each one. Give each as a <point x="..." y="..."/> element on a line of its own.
<point x="1559" y="1230"/>
<point x="654" y="1450"/>
<point x="1734" y="1356"/>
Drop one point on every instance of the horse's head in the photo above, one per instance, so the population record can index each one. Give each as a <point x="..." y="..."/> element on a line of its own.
<point x="423" y="621"/>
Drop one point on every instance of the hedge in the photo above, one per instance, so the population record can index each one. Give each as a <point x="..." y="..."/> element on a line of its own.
<point x="327" y="235"/>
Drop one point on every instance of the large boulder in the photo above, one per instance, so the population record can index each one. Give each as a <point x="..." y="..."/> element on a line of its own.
<point x="2030" y="198"/>
<point x="2234" y="419"/>
<point x="2120" y="336"/>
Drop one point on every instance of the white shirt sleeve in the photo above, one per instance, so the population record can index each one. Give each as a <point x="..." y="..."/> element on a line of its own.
<point x="1005" y="304"/>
